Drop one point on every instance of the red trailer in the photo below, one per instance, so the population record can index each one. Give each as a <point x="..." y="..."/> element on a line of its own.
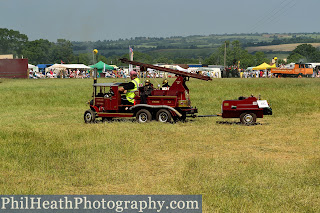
<point x="248" y="109"/>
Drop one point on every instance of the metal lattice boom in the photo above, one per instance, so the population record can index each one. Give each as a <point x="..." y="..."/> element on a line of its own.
<point x="177" y="72"/>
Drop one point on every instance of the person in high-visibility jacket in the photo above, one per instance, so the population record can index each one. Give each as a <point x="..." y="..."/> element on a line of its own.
<point x="130" y="88"/>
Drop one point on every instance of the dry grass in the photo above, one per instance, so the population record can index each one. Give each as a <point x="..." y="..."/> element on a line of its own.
<point x="272" y="167"/>
<point x="278" y="48"/>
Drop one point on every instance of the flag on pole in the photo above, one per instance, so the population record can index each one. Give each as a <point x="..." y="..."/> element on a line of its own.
<point x="131" y="58"/>
<point x="131" y="53"/>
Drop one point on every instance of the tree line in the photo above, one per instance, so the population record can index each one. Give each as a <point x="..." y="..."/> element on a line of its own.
<point x="64" y="51"/>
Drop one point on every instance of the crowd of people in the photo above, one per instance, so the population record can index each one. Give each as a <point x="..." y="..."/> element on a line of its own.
<point x="235" y="72"/>
<point x="228" y="72"/>
<point x="66" y="73"/>
<point x="316" y="73"/>
<point x="256" y="74"/>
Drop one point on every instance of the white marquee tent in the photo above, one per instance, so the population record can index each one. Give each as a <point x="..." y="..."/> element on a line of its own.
<point x="69" y="66"/>
<point x="33" y="67"/>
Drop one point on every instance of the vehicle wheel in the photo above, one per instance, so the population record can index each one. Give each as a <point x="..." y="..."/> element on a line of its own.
<point x="163" y="116"/>
<point x="248" y="118"/>
<point x="143" y="116"/>
<point x="89" y="116"/>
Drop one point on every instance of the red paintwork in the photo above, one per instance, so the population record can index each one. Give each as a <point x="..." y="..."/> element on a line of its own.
<point x="111" y="103"/>
<point x="246" y="105"/>
<point x="175" y="97"/>
<point x="14" y="68"/>
<point x="171" y="97"/>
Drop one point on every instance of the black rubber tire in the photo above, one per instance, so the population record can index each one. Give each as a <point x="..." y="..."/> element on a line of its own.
<point x="163" y="116"/>
<point x="248" y="118"/>
<point x="143" y="116"/>
<point x="89" y="116"/>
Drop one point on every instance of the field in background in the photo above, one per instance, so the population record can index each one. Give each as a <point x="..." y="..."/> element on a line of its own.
<point x="271" y="167"/>
<point x="193" y="47"/>
<point x="278" y="48"/>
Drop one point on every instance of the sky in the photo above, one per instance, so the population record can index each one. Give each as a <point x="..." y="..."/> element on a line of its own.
<point x="92" y="20"/>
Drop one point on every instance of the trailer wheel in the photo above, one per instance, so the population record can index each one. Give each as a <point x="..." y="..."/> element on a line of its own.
<point x="143" y="116"/>
<point x="163" y="116"/>
<point x="248" y="118"/>
<point x="89" y="116"/>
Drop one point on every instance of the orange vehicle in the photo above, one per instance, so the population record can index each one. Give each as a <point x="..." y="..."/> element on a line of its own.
<point x="295" y="70"/>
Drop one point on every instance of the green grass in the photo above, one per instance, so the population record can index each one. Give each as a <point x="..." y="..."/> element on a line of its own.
<point x="45" y="147"/>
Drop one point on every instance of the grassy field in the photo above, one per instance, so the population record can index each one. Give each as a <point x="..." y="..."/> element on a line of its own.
<point x="278" y="48"/>
<point x="271" y="167"/>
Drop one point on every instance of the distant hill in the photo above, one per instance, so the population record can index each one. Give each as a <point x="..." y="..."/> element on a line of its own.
<point x="196" y="46"/>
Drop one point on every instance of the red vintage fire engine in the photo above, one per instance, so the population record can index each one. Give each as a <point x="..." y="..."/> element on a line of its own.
<point x="163" y="104"/>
